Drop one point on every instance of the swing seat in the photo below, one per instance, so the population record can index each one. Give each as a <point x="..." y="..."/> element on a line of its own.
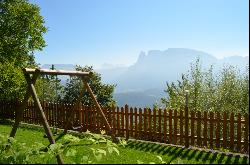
<point x="78" y="128"/>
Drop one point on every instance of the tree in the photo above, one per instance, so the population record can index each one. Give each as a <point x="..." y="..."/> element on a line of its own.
<point x="21" y="30"/>
<point x="49" y="87"/>
<point x="228" y="91"/>
<point x="102" y="91"/>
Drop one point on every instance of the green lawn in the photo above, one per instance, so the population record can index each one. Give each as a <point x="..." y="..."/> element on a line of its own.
<point x="134" y="151"/>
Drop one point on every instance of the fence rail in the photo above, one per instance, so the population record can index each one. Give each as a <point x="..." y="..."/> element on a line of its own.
<point x="201" y="129"/>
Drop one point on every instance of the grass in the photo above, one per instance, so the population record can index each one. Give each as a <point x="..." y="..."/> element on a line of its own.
<point x="134" y="151"/>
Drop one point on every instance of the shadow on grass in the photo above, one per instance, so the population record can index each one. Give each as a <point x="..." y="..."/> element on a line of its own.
<point x="187" y="154"/>
<point x="6" y="122"/>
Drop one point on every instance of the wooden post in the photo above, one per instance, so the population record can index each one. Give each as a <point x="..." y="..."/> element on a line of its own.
<point x="199" y="128"/>
<point x="246" y="134"/>
<point x="175" y="126"/>
<point x="44" y="120"/>
<point x="217" y="131"/>
<point x="19" y="111"/>
<point x="100" y="110"/>
<point x="205" y="129"/>
<point x="140" y="123"/>
<point x="165" y="126"/>
<point x="126" y="122"/>
<point x="232" y="131"/>
<point x="192" y="127"/>
<point x="136" y="125"/>
<point x="170" y="127"/>
<point x="181" y="127"/>
<point x="239" y="133"/>
<point x="186" y="121"/>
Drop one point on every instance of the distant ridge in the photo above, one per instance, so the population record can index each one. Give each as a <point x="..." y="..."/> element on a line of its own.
<point x="148" y="76"/>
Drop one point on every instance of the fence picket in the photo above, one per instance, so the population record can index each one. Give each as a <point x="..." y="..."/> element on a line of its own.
<point x="159" y="126"/>
<point x="205" y="129"/>
<point x="199" y="128"/>
<point x="154" y="126"/>
<point x="131" y="123"/>
<point x="246" y="134"/>
<point x="122" y="123"/>
<point x="136" y="124"/>
<point x="165" y="126"/>
<point x="150" y="124"/>
<point x="170" y="127"/>
<point x="181" y="127"/>
<point x="232" y="131"/>
<point x="145" y="123"/>
<point x="192" y="127"/>
<point x="239" y="133"/>
<point x="211" y="120"/>
<point x="140" y="123"/>
<point x="225" y="130"/>
<point x="218" y="129"/>
<point x="175" y="127"/>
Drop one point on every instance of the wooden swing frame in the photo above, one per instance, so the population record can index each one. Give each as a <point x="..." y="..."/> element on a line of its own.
<point x="31" y="91"/>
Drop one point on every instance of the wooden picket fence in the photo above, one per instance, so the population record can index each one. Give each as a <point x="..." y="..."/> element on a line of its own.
<point x="182" y="127"/>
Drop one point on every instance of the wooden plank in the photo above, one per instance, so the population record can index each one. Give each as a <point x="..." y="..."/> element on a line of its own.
<point x="175" y="127"/>
<point x="94" y="125"/>
<point x="150" y="125"/>
<point x="218" y="129"/>
<point x="159" y="125"/>
<point x="104" y="119"/>
<point x="246" y="134"/>
<point x="165" y="126"/>
<point x="145" y="124"/>
<point x="181" y="127"/>
<point x="127" y="121"/>
<point x="186" y="121"/>
<point x="44" y="120"/>
<point x="118" y="121"/>
<point x="205" y="129"/>
<point x="136" y="124"/>
<point x="122" y="123"/>
<point x="224" y="134"/>
<point x="192" y="128"/>
<point x="83" y="118"/>
<point x="154" y="126"/>
<point x="140" y="123"/>
<point x="55" y="72"/>
<point x="211" y="120"/>
<point x="199" y="128"/>
<point x="131" y="123"/>
<point x="232" y="131"/>
<point x="239" y="133"/>
<point x="170" y="127"/>
<point x="114" y="120"/>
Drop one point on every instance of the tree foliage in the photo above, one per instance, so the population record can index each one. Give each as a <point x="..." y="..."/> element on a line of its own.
<point x="226" y="91"/>
<point x="21" y="30"/>
<point x="103" y="92"/>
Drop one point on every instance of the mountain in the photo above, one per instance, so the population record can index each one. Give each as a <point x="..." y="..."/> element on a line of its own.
<point x="154" y="69"/>
<point x="143" y="83"/>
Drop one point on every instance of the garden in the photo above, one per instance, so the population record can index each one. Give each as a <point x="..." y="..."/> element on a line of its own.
<point x="87" y="148"/>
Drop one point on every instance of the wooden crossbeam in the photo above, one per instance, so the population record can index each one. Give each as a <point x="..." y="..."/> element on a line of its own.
<point x="56" y="72"/>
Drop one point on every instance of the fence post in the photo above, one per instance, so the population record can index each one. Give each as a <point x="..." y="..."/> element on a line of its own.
<point x="186" y="120"/>
<point x="126" y="122"/>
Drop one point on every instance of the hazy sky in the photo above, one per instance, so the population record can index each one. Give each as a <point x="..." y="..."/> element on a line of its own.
<point x="93" y="32"/>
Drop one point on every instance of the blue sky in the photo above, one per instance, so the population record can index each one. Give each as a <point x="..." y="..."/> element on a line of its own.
<point x="93" y="32"/>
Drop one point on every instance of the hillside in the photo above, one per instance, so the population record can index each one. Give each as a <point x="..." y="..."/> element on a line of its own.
<point x="143" y="83"/>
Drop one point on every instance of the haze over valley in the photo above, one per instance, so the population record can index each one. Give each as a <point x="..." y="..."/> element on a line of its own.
<point x="143" y="83"/>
